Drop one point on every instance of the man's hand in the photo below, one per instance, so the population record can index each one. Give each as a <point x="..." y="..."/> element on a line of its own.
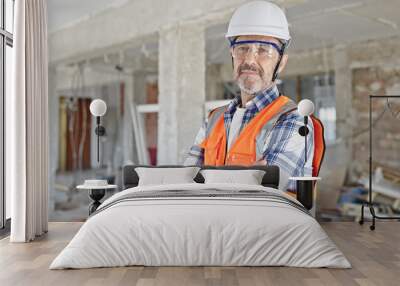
<point x="262" y="162"/>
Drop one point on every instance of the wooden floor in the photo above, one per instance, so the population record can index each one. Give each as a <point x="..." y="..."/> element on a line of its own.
<point x="375" y="257"/>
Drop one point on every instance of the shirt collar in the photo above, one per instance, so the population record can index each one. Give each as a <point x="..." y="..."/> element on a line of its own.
<point x="259" y="101"/>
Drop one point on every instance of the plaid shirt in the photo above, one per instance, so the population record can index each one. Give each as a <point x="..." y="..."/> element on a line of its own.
<point x="283" y="147"/>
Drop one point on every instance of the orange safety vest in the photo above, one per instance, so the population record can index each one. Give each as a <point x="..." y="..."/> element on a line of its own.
<point x="243" y="150"/>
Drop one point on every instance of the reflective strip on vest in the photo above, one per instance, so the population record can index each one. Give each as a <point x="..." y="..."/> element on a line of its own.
<point x="213" y="118"/>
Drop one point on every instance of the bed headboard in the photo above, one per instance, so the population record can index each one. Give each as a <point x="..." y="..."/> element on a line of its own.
<point x="271" y="178"/>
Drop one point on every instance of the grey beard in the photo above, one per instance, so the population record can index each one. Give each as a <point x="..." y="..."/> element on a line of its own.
<point x="256" y="88"/>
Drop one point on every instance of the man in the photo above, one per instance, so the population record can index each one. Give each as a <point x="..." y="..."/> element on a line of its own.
<point x="260" y="126"/>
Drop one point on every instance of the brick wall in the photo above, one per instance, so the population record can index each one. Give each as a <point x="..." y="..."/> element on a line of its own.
<point x="386" y="132"/>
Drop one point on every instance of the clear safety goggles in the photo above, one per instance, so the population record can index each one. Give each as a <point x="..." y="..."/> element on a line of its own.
<point x="261" y="49"/>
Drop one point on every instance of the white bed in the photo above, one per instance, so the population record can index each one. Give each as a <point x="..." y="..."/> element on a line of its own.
<point x="260" y="229"/>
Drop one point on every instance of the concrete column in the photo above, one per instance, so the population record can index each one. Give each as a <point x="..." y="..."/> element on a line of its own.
<point x="344" y="114"/>
<point x="128" y="139"/>
<point x="213" y="82"/>
<point x="182" y="90"/>
<point x="139" y="97"/>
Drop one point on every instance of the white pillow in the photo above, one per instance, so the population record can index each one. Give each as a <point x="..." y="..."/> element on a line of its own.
<point x="248" y="177"/>
<point x="162" y="176"/>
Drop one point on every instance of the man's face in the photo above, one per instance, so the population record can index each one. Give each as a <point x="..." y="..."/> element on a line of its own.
<point x="253" y="72"/>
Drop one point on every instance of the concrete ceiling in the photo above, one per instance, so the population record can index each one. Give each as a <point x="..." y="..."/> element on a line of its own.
<point x="313" y="23"/>
<point x="342" y="21"/>
<point x="62" y="13"/>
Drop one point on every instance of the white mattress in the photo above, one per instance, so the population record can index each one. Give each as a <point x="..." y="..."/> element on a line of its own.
<point x="200" y="231"/>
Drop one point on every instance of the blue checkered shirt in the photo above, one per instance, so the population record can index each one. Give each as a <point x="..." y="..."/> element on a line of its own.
<point x="283" y="147"/>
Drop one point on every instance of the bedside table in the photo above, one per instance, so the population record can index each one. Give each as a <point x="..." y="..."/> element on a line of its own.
<point x="96" y="193"/>
<point x="305" y="190"/>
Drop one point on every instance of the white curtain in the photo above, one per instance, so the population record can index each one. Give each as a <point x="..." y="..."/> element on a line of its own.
<point x="27" y="124"/>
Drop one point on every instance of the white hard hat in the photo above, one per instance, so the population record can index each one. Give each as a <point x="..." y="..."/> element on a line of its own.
<point x="259" y="18"/>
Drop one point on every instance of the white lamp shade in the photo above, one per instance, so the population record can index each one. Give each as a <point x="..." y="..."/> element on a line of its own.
<point x="305" y="107"/>
<point x="98" y="107"/>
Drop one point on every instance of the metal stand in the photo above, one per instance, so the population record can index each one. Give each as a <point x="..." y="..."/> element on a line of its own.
<point x="369" y="204"/>
<point x="304" y="193"/>
<point x="96" y="195"/>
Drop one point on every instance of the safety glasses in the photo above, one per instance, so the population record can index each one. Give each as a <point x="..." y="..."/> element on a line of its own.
<point x="261" y="49"/>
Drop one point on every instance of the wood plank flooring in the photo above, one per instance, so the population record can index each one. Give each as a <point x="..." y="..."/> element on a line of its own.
<point x="375" y="257"/>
